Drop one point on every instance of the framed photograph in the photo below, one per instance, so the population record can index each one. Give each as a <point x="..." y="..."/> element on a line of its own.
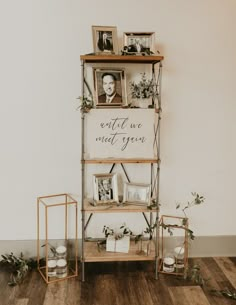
<point x="105" y="39"/>
<point x="138" y="194"/>
<point x="139" y="42"/>
<point x="110" y="87"/>
<point x="105" y="188"/>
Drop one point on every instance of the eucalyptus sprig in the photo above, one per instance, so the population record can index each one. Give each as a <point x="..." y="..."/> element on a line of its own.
<point x="119" y="234"/>
<point x="86" y="103"/>
<point x="198" y="199"/>
<point x="123" y="231"/>
<point x="18" y="267"/>
<point x="227" y="293"/>
<point x="149" y="230"/>
<point x="171" y="227"/>
<point x="153" y="204"/>
<point x="52" y="248"/>
<point x="193" y="274"/>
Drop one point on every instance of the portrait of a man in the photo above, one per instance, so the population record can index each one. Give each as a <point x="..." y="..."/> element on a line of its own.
<point x="105" y="43"/>
<point x="105" y="191"/>
<point x="109" y="86"/>
<point x="105" y="188"/>
<point x="105" y="40"/>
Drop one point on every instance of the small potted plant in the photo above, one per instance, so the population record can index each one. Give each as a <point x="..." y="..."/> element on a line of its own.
<point x="144" y="92"/>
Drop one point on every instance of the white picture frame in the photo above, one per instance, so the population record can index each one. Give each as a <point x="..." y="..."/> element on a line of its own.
<point x="139" y="42"/>
<point x="105" y="39"/>
<point x="137" y="193"/>
<point x="105" y="188"/>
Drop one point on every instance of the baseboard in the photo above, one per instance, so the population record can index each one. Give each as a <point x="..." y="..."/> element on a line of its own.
<point x="202" y="246"/>
<point x="213" y="246"/>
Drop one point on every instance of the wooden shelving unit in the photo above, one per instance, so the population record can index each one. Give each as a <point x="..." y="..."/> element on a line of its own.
<point x="90" y="252"/>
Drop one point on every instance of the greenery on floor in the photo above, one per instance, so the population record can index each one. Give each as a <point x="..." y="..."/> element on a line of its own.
<point x="18" y="267"/>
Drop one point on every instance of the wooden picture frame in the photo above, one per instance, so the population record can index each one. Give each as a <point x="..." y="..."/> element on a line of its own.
<point x="139" y="42"/>
<point x="105" y="40"/>
<point x="105" y="188"/>
<point x="137" y="193"/>
<point x="110" y="87"/>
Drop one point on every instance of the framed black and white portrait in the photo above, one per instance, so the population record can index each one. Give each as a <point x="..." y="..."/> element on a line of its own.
<point x="139" y="42"/>
<point x="105" y="39"/>
<point x="110" y="87"/>
<point x="137" y="193"/>
<point x="105" y="188"/>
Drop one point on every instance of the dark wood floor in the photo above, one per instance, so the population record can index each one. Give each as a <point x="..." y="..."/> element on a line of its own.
<point x="124" y="283"/>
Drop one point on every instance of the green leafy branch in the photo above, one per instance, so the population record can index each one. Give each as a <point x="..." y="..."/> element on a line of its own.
<point x="171" y="227"/>
<point x="194" y="275"/>
<point x="225" y="293"/>
<point x="153" y="204"/>
<point x="52" y="248"/>
<point x="149" y="230"/>
<point x="86" y="103"/>
<point x="18" y="267"/>
<point x="197" y="200"/>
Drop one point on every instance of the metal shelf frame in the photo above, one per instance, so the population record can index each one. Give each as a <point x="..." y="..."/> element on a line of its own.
<point x="156" y="70"/>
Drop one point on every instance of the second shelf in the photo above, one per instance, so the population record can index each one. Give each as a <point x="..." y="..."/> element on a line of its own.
<point x="113" y="208"/>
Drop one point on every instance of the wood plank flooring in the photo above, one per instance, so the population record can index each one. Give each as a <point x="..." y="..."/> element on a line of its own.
<point x="124" y="283"/>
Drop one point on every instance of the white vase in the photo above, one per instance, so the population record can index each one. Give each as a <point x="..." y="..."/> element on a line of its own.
<point x="142" y="102"/>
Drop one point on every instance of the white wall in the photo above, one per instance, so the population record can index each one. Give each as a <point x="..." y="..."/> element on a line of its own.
<point x="41" y="45"/>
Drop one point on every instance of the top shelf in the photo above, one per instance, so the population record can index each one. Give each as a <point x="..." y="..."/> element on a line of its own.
<point x="148" y="59"/>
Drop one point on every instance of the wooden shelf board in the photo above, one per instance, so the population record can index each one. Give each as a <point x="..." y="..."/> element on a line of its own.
<point x="113" y="160"/>
<point x="91" y="254"/>
<point x="113" y="208"/>
<point x="121" y="59"/>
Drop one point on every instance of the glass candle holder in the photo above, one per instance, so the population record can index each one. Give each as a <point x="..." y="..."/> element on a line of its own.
<point x="52" y="264"/>
<point x="61" y="252"/>
<point x="169" y="263"/>
<point x="61" y="268"/>
<point x="179" y="258"/>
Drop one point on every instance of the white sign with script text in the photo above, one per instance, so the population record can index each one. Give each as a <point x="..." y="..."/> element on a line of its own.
<point x="120" y="133"/>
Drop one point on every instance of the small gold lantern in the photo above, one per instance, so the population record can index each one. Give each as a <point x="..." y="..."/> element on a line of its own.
<point x="173" y="245"/>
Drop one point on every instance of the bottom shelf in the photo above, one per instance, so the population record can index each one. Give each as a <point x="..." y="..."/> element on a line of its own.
<point x="175" y="272"/>
<point x="93" y="254"/>
<point x="69" y="273"/>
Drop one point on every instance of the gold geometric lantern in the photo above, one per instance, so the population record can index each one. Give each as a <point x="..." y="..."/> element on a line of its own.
<point x="173" y="245"/>
<point x="57" y="240"/>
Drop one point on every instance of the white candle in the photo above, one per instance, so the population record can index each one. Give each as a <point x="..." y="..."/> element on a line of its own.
<point x="168" y="264"/>
<point x="52" y="263"/>
<point x="61" y="268"/>
<point x="179" y="258"/>
<point x="179" y="251"/>
<point x="61" y="252"/>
